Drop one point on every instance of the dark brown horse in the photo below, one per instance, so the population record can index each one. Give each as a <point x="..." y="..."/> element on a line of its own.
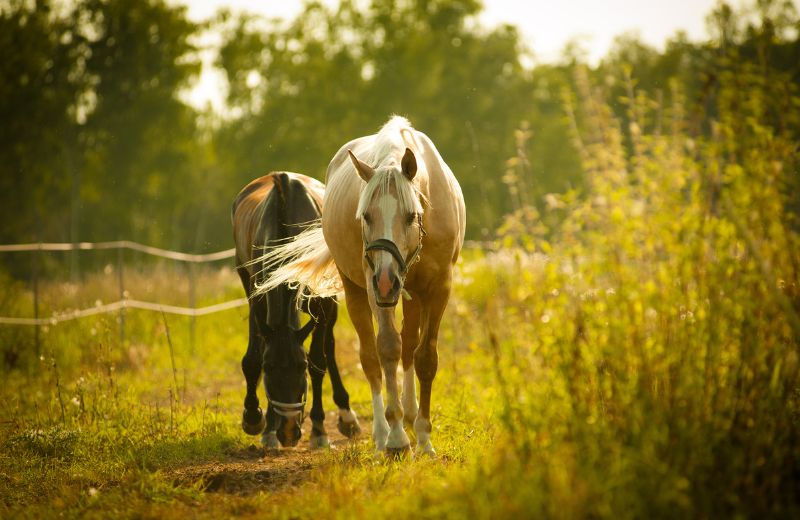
<point x="269" y="211"/>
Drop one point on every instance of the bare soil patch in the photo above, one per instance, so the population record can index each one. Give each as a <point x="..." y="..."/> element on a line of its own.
<point x="252" y="469"/>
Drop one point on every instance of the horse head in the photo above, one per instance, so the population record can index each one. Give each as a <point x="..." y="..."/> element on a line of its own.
<point x="285" y="381"/>
<point x="390" y="213"/>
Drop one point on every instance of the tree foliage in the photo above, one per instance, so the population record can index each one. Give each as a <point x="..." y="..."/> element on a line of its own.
<point x="336" y="74"/>
<point x="98" y="145"/>
<point x="40" y="85"/>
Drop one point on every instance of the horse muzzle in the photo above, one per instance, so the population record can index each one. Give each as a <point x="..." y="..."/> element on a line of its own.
<point x="288" y="431"/>
<point x="387" y="286"/>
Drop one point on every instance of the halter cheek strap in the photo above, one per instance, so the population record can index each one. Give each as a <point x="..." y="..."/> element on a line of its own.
<point x="384" y="244"/>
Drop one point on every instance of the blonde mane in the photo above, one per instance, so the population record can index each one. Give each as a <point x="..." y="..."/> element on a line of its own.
<point x="305" y="262"/>
<point x="389" y="145"/>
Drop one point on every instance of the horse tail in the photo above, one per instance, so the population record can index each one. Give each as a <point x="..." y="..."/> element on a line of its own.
<point x="304" y="262"/>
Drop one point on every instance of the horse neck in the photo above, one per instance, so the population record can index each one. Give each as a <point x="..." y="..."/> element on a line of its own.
<point x="283" y="339"/>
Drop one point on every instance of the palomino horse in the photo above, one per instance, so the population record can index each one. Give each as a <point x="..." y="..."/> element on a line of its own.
<point x="268" y="211"/>
<point x="392" y="224"/>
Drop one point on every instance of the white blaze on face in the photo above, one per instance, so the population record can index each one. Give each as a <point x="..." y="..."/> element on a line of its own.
<point x="388" y="205"/>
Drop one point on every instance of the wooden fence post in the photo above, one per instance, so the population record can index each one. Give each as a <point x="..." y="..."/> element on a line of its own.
<point x="192" y="304"/>
<point x="36" y="332"/>
<point x="121" y="283"/>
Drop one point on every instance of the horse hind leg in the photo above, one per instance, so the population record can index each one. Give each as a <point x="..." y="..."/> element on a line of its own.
<point x="348" y="424"/>
<point x="410" y="339"/>
<point x="426" y="362"/>
<point x="316" y="369"/>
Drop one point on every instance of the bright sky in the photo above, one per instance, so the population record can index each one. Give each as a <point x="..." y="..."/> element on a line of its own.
<point x="546" y="25"/>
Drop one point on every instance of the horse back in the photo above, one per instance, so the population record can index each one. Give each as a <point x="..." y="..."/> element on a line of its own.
<point x="254" y="224"/>
<point x="267" y="212"/>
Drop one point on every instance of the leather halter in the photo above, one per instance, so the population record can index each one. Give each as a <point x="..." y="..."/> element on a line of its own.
<point x="290" y="410"/>
<point x="384" y="244"/>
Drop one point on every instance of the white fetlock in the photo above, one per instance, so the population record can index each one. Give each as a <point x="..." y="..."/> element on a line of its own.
<point x="424" y="449"/>
<point x="380" y="433"/>
<point x="348" y="423"/>
<point x="270" y="440"/>
<point x="397" y="439"/>
<point x="422" y="428"/>
<point x="380" y="426"/>
<point x="347" y="416"/>
<point x="319" y="442"/>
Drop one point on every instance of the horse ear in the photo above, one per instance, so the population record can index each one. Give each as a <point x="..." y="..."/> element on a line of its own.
<point x="303" y="333"/>
<point x="409" y="164"/>
<point x="364" y="170"/>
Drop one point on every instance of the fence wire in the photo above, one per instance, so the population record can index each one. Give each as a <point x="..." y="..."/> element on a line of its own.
<point x="119" y="244"/>
<point x="125" y="303"/>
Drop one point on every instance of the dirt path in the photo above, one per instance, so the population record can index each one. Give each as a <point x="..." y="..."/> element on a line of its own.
<point x="245" y="471"/>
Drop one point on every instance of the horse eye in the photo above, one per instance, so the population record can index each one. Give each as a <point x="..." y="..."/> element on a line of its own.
<point x="410" y="218"/>
<point x="366" y="219"/>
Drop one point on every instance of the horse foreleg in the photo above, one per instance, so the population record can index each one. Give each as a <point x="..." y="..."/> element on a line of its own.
<point x="316" y="369"/>
<point x="389" y="350"/>
<point x="410" y="338"/>
<point x="360" y="314"/>
<point x="426" y="362"/>
<point x="253" y="422"/>
<point x="269" y="439"/>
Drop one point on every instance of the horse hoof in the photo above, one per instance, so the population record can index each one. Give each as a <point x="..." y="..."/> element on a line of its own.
<point x="270" y="441"/>
<point x="319" y="442"/>
<point x="253" y="421"/>
<point x="424" y="450"/>
<point x="399" y="453"/>
<point x="350" y="430"/>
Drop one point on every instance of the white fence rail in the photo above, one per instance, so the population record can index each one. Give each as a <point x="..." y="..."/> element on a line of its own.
<point x="123" y="303"/>
<point x="119" y="244"/>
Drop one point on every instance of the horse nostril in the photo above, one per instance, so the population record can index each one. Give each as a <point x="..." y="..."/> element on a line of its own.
<point x="396" y="284"/>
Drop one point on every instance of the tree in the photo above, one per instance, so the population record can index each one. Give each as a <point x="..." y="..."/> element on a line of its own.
<point x="40" y="88"/>
<point x="139" y="138"/>
<point x="333" y="75"/>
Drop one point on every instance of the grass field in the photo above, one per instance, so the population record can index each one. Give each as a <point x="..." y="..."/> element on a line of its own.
<point x="629" y="352"/>
<point x="95" y="427"/>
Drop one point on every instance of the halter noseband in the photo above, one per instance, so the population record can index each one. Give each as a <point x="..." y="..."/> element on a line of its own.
<point x="384" y="244"/>
<point x="289" y="410"/>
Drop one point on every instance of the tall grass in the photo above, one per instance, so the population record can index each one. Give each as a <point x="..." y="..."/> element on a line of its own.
<point x="650" y="366"/>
